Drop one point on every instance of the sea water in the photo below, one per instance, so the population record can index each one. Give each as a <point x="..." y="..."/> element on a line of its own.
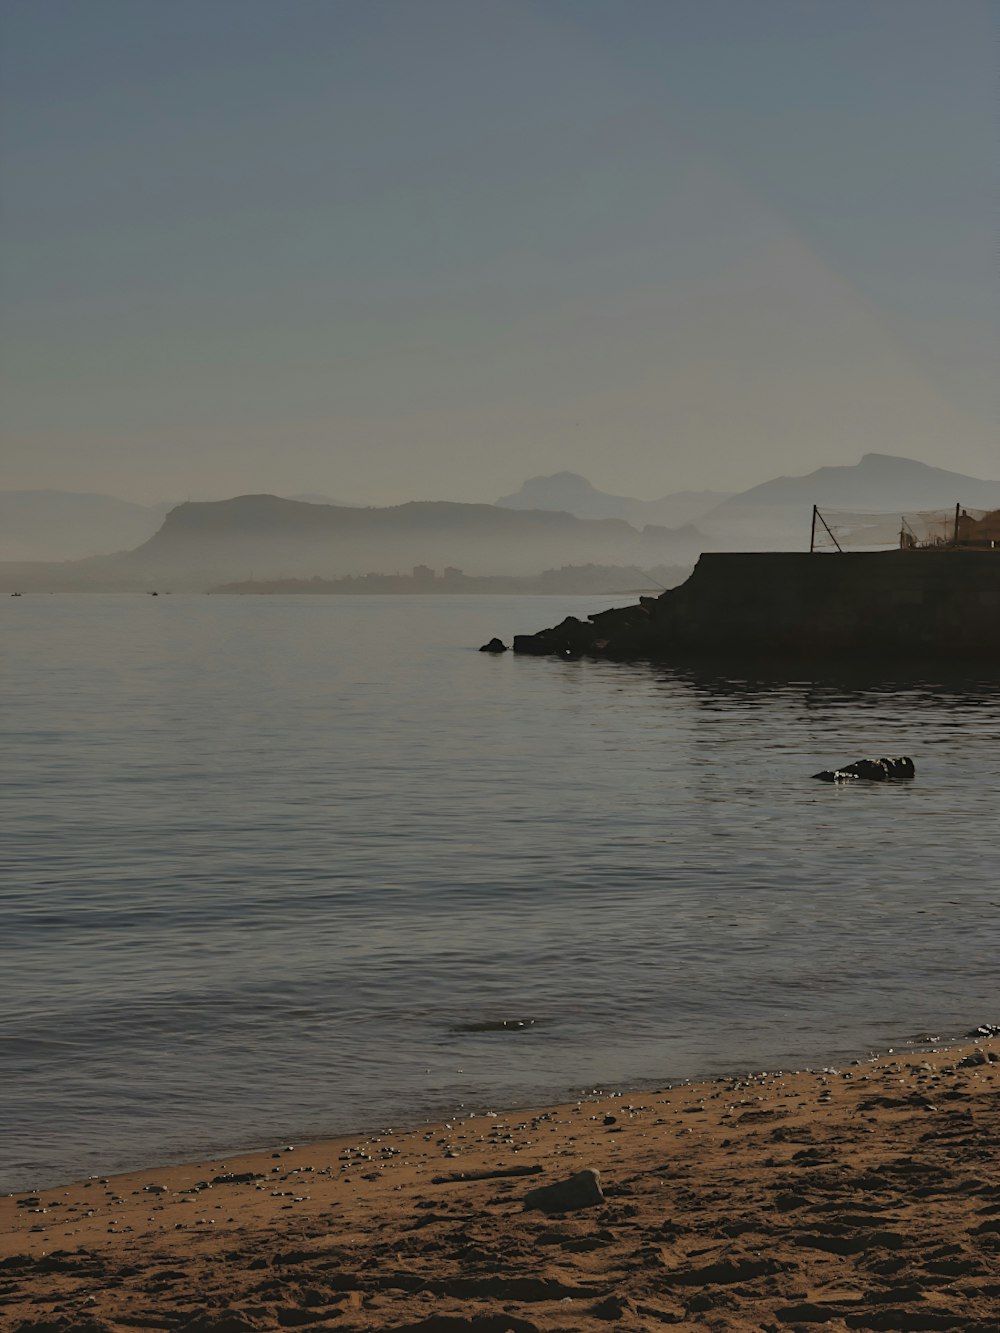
<point x="280" y="867"/>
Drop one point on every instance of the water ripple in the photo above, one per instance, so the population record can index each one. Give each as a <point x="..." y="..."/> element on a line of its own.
<point x="282" y="866"/>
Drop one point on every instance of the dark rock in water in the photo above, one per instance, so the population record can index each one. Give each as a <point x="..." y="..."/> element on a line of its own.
<point x="870" y="770"/>
<point x="570" y="638"/>
<point x="494" y="646"/>
<point x="496" y="1025"/>
<point x="619" y="632"/>
<point x="579" y="1191"/>
<point x="985" y="1030"/>
<point x="533" y="645"/>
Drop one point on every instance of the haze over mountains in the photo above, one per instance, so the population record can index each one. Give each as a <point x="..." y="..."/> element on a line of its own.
<point x="68" y="525"/>
<point x="72" y="525"/>
<point x="878" y="482"/>
<point x="264" y="537"/>
<point x="198" y="545"/>
<point x="267" y="537"/>
<point x="570" y="492"/>
<point x="314" y="498"/>
<point x="777" y="513"/>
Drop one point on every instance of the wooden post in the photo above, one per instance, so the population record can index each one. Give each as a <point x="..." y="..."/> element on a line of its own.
<point x="812" y="534"/>
<point x="955" y="538"/>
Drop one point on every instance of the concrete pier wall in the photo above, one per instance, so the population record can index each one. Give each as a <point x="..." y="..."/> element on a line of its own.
<point x="929" y="603"/>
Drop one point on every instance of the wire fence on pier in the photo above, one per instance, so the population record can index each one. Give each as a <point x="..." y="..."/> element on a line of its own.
<point x="838" y="529"/>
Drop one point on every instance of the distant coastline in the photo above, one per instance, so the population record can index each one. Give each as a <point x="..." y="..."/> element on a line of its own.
<point x="582" y="579"/>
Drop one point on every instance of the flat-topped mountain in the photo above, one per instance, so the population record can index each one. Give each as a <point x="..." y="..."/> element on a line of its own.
<point x="72" y="525"/>
<point x="263" y="532"/>
<point x="265" y="537"/>
<point x="314" y="498"/>
<point x="573" y="494"/>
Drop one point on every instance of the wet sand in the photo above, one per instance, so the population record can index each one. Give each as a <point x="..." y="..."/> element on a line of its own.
<point x="866" y="1197"/>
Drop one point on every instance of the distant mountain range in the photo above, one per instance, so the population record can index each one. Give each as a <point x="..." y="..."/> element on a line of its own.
<point x="572" y="494"/>
<point x="880" y="482"/>
<point x="777" y="514"/>
<point x="198" y="545"/>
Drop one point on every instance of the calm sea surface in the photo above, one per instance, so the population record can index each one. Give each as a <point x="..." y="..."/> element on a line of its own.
<point x="277" y="867"/>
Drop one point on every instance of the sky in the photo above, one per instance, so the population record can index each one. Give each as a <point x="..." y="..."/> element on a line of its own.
<point x="406" y="249"/>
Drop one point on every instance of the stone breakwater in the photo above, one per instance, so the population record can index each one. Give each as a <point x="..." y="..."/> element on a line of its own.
<point x="928" y="604"/>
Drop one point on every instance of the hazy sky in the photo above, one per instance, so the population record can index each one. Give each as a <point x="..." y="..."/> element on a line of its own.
<point x="394" y="249"/>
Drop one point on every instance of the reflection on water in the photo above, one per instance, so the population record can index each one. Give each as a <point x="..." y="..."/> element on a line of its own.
<point x="288" y="866"/>
<point x="928" y="681"/>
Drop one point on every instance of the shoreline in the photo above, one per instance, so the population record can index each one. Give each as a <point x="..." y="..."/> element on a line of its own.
<point x="823" y="1196"/>
<point x="438" y="1113"/>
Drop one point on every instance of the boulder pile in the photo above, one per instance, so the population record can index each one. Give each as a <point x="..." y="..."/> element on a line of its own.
<point x="622" y="632"/>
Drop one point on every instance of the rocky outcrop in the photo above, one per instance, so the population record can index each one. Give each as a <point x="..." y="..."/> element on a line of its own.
<point x="870" y="770"/>
<point x="623" y="632"/>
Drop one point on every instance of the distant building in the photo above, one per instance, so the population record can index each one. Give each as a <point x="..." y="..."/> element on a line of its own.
<point x="982" y="532"/>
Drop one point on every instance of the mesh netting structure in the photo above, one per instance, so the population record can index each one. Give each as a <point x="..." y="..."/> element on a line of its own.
<point x="837" y="529"/>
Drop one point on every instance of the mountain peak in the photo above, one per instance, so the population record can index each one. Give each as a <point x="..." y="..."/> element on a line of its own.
<point x="571" y="493"/>
<point x="879" y="482"/>
<point x="557" y="490"/>
<point x="895" y="462"/>
<point x="567" y="478"/>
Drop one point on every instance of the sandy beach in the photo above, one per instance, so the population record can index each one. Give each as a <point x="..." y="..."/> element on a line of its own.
<point x="862" y="1197"/>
